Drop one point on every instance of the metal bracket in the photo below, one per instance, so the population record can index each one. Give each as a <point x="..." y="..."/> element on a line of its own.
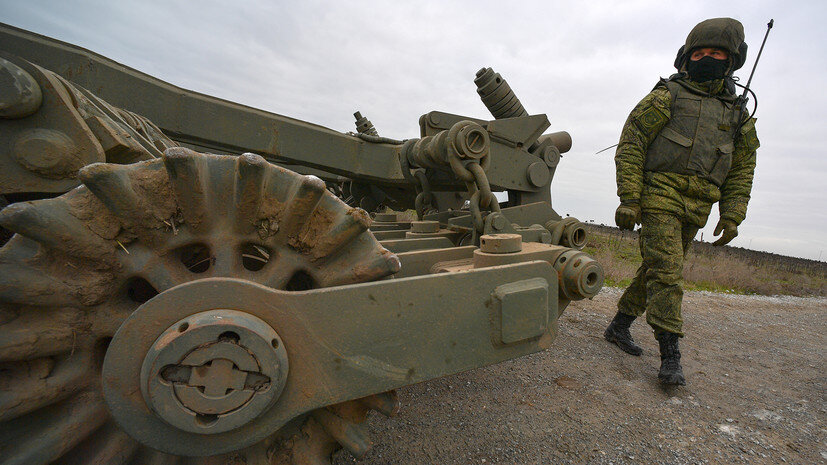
<point x="522" y="307"/>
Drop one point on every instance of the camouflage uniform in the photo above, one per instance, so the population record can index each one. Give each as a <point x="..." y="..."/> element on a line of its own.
<point x="674" y="206"/>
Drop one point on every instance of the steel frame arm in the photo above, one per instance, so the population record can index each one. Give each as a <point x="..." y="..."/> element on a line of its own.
<point x="216" y="125"/>
<point x="422" y="329"/>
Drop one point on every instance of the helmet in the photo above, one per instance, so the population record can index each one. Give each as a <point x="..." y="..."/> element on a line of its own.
<point x="723" y="33"/>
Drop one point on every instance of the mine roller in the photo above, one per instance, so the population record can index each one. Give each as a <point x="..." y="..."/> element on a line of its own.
<point x="188" y="280"/>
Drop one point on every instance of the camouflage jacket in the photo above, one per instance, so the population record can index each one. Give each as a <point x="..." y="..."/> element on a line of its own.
<point x="684" y="195"/>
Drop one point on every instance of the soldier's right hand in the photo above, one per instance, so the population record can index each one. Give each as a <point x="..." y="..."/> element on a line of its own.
<point x="729" y="230"/>
<point x="627" y="216"/>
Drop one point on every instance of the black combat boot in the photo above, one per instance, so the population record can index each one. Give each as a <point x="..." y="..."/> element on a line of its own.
<point x="618" y="333"/>
<point x="670" y="360"/>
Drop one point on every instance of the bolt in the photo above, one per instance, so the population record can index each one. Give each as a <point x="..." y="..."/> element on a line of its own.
<point x="475" y="140"/>
<point x="470" y="139"/>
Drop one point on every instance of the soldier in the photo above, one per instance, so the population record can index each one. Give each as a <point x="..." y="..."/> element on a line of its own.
<point x="682" y="149"/>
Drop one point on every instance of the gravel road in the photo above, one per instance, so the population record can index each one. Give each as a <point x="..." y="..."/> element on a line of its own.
<point x="756" y="393"/>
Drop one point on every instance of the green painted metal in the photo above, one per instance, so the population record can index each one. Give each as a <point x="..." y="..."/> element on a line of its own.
<point x="221" y="299"/>
<point x="412" y="341"/>
<point x="521" y="306"/>
<point x="211" y="124"/>
<point x="408" y="245"/>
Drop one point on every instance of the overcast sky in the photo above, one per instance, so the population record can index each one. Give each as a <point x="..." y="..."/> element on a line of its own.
<point x="584" y="64"/>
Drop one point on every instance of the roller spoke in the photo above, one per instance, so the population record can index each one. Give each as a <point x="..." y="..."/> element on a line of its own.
<point x="46" y="435"/>
<point x="26" y="285"/>
<point x="111" y="184"/>
<point x="187" y="182"/>
<point x="301" y="205"/>
<point x="108" y="445"/>
<point x="50" y="223"/>
<point x="352" y="437"/>
<point x="348" y="269"/>
<point x="26" y="389"/>
<point x="146" y="456"/>
<point x="226" y="260"/>
<point x="249" y="186"/>
<point x="161" y="273"/>
<point x="278" y="272"/>
<point x="386" y="403"/>
<point x="34" y="335"/>
<point x="329" y="229"/>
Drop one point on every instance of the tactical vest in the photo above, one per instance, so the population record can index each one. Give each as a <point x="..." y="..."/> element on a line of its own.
<point x="698" y="139"/>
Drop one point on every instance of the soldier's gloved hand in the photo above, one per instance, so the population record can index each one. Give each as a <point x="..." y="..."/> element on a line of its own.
<point x="627" y="215"/>
<point x="730" y="230"/>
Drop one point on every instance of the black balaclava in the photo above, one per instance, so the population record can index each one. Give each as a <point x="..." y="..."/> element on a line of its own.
<point x="706" y="69"/>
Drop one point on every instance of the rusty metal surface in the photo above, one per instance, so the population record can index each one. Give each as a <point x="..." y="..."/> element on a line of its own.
<point x="331" y="360"/>
<point x="211" y="371"/>
<point x="233" y="308"/>
<point x="82" y="262"/>
<point x="139" y="241"/>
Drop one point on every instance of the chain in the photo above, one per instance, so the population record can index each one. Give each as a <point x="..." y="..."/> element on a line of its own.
<point x="465" y="147"/>
<point x="481" y="197"/>
<point x="425" y="199"/>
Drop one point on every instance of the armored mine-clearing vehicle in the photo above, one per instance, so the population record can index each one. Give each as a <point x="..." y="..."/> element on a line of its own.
<point x="188" y="280"/>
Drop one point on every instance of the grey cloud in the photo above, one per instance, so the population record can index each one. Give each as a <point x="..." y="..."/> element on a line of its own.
<point x="585" y="64"/>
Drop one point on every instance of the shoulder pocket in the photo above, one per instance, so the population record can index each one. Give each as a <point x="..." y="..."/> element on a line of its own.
<point x="675" y="137"/>
<point x="687" y="106"/>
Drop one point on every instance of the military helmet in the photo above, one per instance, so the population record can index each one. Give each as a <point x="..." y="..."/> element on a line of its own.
<point x="723" y="33"/>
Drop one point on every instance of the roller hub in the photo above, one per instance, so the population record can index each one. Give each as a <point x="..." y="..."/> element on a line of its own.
<point x="214" y="371"/>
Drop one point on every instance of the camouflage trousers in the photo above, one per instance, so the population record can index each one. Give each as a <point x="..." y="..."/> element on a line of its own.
<point x="656" y="288"/>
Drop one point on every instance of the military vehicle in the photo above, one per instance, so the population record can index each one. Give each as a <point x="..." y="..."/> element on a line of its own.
<point x="189" y="280"/>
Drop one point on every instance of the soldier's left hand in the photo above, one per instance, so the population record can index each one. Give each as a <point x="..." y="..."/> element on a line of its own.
<point x="627" y="216"/>
<point x="730" y="230"/>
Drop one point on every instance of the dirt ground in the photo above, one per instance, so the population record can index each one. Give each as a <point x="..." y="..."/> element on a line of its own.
<point x="756" y="393"/>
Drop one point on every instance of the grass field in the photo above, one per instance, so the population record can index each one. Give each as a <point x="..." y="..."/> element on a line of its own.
<point x="725" y="269"/>
<point x="719" y="269"/>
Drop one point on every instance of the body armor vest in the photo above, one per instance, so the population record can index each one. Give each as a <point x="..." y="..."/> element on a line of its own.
<point x="698" y="139"/>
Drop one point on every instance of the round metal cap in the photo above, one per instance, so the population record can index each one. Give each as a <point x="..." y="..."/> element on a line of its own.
<point x="537" y="174"/>
<point x="214" y="371"/>
<point x="472" y="140"/>
<point x="47" y="152"/>
<point x="501" y="243"/>
<point x="499" y="222"/>
<point x="551" y="156"/>
<point x="425" y="226"/>
<point x="385" y="218"/>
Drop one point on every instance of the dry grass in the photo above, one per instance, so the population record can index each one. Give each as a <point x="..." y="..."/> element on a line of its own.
<point x="719" y="269"/>
<point x="725" y="269"/>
